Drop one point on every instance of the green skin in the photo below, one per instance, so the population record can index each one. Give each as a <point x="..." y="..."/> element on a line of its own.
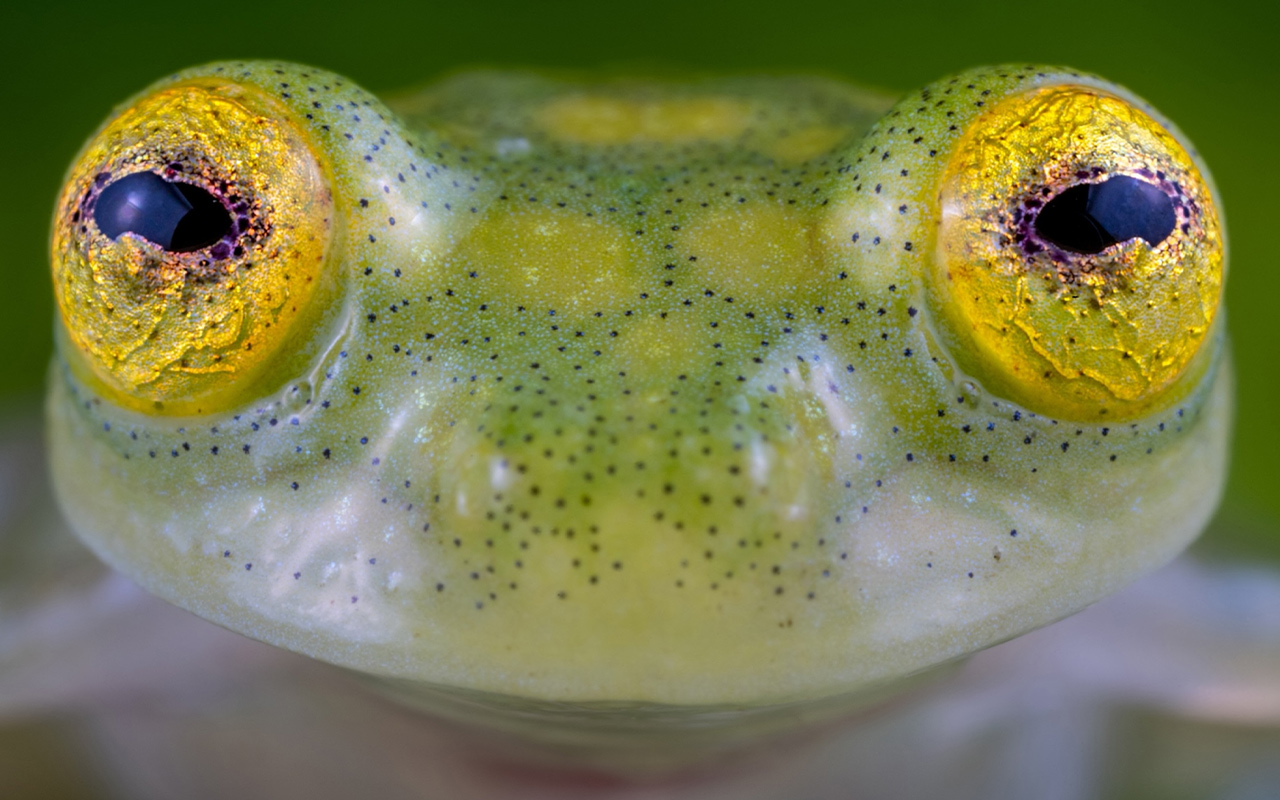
<point x="691" y="480"/>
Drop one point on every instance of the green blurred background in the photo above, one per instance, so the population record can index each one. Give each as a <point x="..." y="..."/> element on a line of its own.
<point x="1212" y="67"/>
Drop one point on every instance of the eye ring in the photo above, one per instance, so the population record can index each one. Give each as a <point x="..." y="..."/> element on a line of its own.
<point x="1079" y="260"/>
<point x="189" y="241"/>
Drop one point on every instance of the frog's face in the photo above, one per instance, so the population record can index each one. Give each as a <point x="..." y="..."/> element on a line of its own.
<point x="732" y="391"/>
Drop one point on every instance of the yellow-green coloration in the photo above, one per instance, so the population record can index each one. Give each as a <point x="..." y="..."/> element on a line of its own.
<point x="1096" y="337"/>
<point x="186" y="332"/>
<point x="632" y="394"/>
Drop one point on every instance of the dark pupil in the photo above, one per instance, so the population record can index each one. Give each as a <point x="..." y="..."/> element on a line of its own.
<point x="1090" y="217"/>
<point x="177" y="216"/>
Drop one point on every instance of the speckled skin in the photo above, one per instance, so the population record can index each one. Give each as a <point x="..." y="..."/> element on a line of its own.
<point x="657" y="422"/>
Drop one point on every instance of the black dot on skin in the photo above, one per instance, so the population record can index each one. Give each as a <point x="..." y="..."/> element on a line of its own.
<point x="176" y="216"/>
<point x="1090" y="217"/>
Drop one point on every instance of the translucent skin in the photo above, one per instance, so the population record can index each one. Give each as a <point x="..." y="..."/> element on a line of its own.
<point x="631" y="395"/>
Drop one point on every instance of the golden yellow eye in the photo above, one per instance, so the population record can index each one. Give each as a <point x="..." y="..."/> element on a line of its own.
<point x="1080" y="256"/>
<point x="189" y="238"/>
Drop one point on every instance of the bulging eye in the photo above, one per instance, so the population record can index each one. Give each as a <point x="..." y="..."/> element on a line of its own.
<point x="1080" y="256"/>
<point x="188" y="245"/>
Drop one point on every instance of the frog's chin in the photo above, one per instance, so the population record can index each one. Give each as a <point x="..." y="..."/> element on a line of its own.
<point x="639" y="738"/>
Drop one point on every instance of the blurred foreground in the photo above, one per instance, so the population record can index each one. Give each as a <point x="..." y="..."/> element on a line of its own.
<point x="1170" y="689"/>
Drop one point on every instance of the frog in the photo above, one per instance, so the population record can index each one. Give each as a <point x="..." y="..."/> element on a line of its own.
<point x="619" y="403"/>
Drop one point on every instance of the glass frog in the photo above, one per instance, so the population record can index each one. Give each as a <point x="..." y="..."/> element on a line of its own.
<point x="637" y="406"/>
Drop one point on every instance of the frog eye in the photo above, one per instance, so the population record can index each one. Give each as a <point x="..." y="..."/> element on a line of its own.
<point x="1080" y="256"/>
<point x="188" y="245"/>
<point x="179" y="217"/>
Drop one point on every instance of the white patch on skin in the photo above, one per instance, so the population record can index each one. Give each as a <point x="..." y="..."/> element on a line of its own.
<point x="328" y="572"/>
<point x="838" y="411"/>
<point x="761" y="462"/>
<point x="869" y="220"/>
<point x="515" y="145"/>
<point x="499" y="476"/>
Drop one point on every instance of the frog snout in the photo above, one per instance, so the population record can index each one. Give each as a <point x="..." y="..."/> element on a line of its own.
<point x="702" y="484"/>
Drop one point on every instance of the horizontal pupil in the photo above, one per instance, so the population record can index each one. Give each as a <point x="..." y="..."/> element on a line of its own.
<point x="1090" y="217"/>
<point x="176" y="216"/>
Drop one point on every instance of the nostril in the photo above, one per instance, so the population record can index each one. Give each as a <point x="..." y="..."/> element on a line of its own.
<point x="1090" y="217"/>
<point x="179" y="217"/>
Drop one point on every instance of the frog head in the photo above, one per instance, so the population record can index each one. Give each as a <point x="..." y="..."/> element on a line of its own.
<point x="724" y="393"/>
